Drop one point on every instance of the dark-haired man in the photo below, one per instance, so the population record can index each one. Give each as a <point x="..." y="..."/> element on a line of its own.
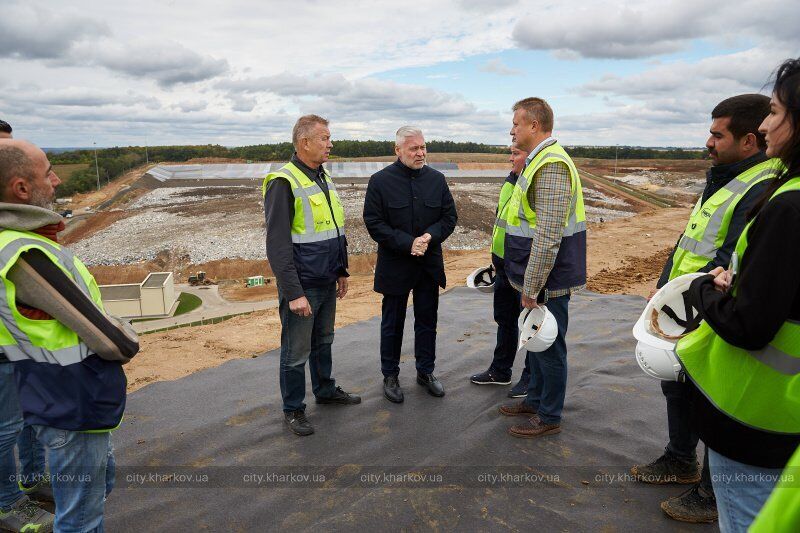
<point x="505" y="301"/>
<point x="5" y="130"/>
<point x="739" y="175"/>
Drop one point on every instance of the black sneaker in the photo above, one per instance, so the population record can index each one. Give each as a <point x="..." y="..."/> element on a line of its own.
<point x="695" y="505"/>
<point x="298" y="423"/>
<point x="520" y="390"/>
<point x="39" y="492"/>
<point x="26" y="516"/>
<point x="489" y="378"/>
<point x="341" y="397"/>
<point x="667" y="469"/>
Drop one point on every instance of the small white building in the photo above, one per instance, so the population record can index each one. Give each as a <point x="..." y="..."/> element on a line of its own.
<point x="153" y="297"/>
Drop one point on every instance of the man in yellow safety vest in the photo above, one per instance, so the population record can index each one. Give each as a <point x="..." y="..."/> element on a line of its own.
<point x="739" y="175"/>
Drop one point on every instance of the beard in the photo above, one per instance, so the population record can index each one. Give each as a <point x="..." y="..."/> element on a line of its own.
<point x="41" y="199"/>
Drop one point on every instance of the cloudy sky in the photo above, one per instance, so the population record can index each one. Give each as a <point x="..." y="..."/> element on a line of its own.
<point x="240" y="72"/>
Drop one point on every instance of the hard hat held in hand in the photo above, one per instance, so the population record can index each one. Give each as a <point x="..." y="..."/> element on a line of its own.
<point x="538" y="329"/>
<point x="482" y="279"/>
<point x="666" y="318"/>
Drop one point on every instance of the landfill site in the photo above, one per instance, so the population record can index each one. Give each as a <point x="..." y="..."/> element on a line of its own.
<point x="428" y="464"/>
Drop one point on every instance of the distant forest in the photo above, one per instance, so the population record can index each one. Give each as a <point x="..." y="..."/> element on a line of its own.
<point x="113" y="162"/>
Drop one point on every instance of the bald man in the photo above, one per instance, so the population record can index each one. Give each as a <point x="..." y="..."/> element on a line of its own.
<point x="65" y="350"/>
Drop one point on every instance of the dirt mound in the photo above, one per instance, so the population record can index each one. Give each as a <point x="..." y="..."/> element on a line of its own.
<point x="634" y="270"/>
<point x="239" y="292"/>
<point x="82" y="229"/>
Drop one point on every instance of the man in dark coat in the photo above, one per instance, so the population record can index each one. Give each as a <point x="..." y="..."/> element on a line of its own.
<point x="409" y="212"/>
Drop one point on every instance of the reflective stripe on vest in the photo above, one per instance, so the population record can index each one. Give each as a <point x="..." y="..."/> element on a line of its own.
<point x="305" y="224"/>
<point x="52" y="341"/>
<point x="758" y="388"/>
<point x="500" y="224"/>
<point x="522" y="220"/>
<point x="708" y="224"/>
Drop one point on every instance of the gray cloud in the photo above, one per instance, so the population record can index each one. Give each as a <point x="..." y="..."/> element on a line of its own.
<point x="168" y="62"/>
<point x="496" y="66"/>
<point x="30" y="32"/>
<point x="287" y="84"/>
<point x="651" y="28"/>
<point x="728" y="74"/>
<point x="243" y="103"/>
<point x="80" y="97"/>
<point x="189" y="107"/>
<point x="483" y="5"/>
<point x="669" y="104"/>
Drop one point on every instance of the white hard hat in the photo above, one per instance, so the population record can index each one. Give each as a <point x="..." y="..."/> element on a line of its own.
<point x="482" y="279"/>
<point x="666" y="318"/>
<point x="538" y="329"/>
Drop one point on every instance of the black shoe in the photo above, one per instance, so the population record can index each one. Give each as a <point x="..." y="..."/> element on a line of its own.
<point x="667" y="469"/>
<point x="488" y="378"/>
<point x="430" y="382"/>
<point x="298" y="423"/>
<point x="39" y="492"/>
<point x="520" y="390"/>
<point x="341" y="397"/>
<point x="392" y="390"/>
<point x="695" y="505"/>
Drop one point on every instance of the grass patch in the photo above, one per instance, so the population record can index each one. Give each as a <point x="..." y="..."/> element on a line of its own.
<point x="201" y="322"/>
<point x="187" y="302"/>
<point x="65" y="172"/>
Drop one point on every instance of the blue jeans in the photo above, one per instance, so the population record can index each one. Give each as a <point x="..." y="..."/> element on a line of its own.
<point x="741" y="491"/>
<point x="81" y="473"/>
<point x="307" y="338"/>
<point x="31" y="457"/>
<point x="548" y="384"/>
<point x="13" y="431"/>
<point x="10" y="426"/>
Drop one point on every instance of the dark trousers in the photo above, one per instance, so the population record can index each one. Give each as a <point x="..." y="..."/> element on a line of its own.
<point x="506" y="312"/>
<point x="548" y="384"/>
<point x="307" y="338"/>
<point x="393" y="317"/>
<point x="683" y="438"/>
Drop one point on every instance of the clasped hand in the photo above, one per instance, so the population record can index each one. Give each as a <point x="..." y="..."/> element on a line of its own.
<point x="420" y="244"/>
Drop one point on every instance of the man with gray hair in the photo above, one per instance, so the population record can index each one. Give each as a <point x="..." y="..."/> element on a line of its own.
<point x="409" y="212"/>
<point x="307" y="252"/>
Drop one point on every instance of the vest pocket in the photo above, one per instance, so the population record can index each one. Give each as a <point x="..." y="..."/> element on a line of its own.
<point x="517" y="252"/>
<point x="312" y="260"/>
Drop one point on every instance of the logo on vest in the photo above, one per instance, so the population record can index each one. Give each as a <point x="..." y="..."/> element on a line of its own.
<point x="705" y="213"/>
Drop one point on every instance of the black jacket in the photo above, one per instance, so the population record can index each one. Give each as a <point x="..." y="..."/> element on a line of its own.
<point x="767" y="294"/>
<point x="716" y="178"/>
<point x="402" y="204"/>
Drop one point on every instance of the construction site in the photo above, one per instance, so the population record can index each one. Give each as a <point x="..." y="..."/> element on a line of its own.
<point x="207" y="217"/>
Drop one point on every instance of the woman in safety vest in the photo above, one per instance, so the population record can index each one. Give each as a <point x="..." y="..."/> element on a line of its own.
<point x="744" y="360"/>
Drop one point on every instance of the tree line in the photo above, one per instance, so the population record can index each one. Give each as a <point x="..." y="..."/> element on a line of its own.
<point x="113" y="162"/>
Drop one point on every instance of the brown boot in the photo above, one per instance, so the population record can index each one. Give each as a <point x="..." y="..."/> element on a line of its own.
<point x="534" y="428"/>
<point x="518" y="409"/>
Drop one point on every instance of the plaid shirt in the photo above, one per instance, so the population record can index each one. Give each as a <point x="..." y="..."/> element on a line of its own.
<point x="549" y="196"/>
